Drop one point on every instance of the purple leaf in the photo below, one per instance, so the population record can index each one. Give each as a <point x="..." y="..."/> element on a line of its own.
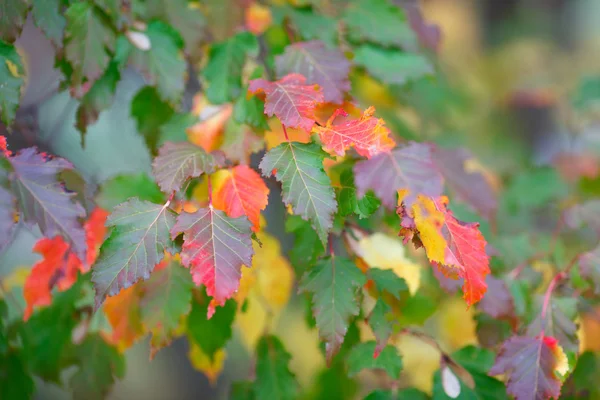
<point x="497" y="302"/>
<point x="7" y="216"/>
<point x="327" y="68"/>
<point x="409" y="167"/>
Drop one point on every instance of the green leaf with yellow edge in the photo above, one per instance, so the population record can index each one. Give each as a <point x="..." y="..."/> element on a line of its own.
<point x="99" y="366"/>
<point x="86" y="38"/>
<point x="274" y="380"/>
<point x="12" y="74"/>
<point x="334" y="283"/>
<point x="225" y="64"/>
<point x="210" y="367"/>
<point x="306" y="186"/>
<point x="210" y="334"/>
<point x="361" y="357"/>
<point x="165" y="300"/>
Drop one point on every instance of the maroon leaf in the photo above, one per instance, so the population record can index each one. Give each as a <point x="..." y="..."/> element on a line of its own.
<point x="497" y="302"/>
<point x="327" y="68"/>
<point x="470" y="187"/>
<point x="290" y="99"/>
<point x="406" y="168"/>
<point x="531" y="365"/>
<point x="214" y="248"/>
<point x="42" y="199"/>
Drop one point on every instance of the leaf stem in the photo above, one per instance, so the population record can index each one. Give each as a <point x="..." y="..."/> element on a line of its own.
<point x="285" y="132"/>
<point x="558" y="277"/>
<point x="331" y="246"/>
<point x="209" y="184"/>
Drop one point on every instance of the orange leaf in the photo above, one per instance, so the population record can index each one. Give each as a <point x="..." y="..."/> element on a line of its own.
<point x="290" y="100"/>
<point x="258" y="18"/>
<point x="59" y="265"/>
<point x="275" y="136"/>
<point x="206" y="133"/>
<point x="455" y="247"/>
<point x="368" y="135"/>
<point x="242" y="192"/>
<point x="123" y="314"/>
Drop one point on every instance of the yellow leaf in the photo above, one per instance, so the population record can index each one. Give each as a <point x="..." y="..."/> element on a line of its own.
<point x="16" y="279"/>
<point x="275" y="136"/>
<point x="202" y="362"/>
<point x="387" y="252"/>
<point x="420" y="362"/>
<point x="429" y="221"/>
<point x="13" y="68"/>
<point x="562" y="363"/>
<point x="456" y="326"/>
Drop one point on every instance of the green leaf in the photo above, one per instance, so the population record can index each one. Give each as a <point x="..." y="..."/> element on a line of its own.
<point x="310" y="25"/>
<point x="99" y="365"/>
<point x="224" y="69"/>
<point x="174" y="130"/>
<point x="12" y="19"/>
<point x="250" y="111"/>
<point x="334" y="283"/>
<point x="386" y="280"/>
<point x="122" y="187"/>
<point x="382" y="323"/>
<point x="333" y="383"/>
<point x="11" y="76"/>
<point x="166" y="299"/>
<point x="307" y="246"/>
<point x="210" y="334"/>
<point x="15" y="380"/>
<point x="181" y="15"/>
<point x="404" y="394"/>
<point x="588" y="93"/>
<point x="151" y="113"/>
<point x="477" y="362"/>
<point x="139" y="235"/>
<point x="86" y="37"/>
<point x="380" y="22"/>
<point x="274" y="380"/>
<point x="583" y="382"/>
<point x="242" y="391"/>
<point x="349" y="202"/>
<point x="392" y="66"/>
<point x="163" y="64"/>
<point x="417" y="309"/>
<point x="306" y="186"/>
<point x="361" y="357"/>
<point x="48" y="16"/>
<point x="97" y="99"/>
<point x="46" y="336"/>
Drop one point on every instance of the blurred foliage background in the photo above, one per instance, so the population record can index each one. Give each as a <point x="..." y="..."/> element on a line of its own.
<point x="512" y="72"/>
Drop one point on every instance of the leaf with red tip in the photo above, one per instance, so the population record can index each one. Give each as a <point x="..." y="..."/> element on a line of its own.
<point x="138" y="238"/>
<point x="42" y="199"/>
<point x="215" y="247"/>
<point x="470" y="187"/>
<point x="531" y="365"/>
<point x="242" y="192"/>
<point x="177" y="162"/>
<point x="368" y="135"/>
<point x="290" y="99"/>
<point x="406" y="168"/>
<point x="322" y="66"/>
<point x="334" y="283"/>
<point x="457" y="248"/>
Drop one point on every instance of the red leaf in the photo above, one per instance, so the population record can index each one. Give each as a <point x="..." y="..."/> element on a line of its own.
<point x="368" y="135"/>
<point x="59" y="265"/>
<point x="242" y="192"/>
<point x="290" y="100"/>
<point x="214" y="248"/>
<point x="531" y="365"/>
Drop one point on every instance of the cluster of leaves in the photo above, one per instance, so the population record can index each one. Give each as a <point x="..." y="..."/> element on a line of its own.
<point x="188" y="253"/>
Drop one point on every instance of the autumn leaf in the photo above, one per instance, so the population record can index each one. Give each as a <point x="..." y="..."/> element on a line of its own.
<point x="139" y="235"/>
<point x="368" y="135"/>
<point x="165" y="299"/>
<point x="241" y="191"/>
<point x="207" y="132"/>
<point x="59" y="266"/>
<point x="558" y="322"/>
<point x="408" y="168"/>
<point x="532" y="365"/>
<point x="123" y="314"/>
<point x="456" y="248"/>
<point x="177" y="162"/>
<point x="215" y="247"/>
<point x="211" y="368"/>
<point x="306" y="186"/>
<point x="498" y="301"/>
<point x="42" y="198"/>
<point x="322" y="66"/>
<point x="334" y="283"/>
<point x="290" y="99"/>
<point x="275" y="136"/>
